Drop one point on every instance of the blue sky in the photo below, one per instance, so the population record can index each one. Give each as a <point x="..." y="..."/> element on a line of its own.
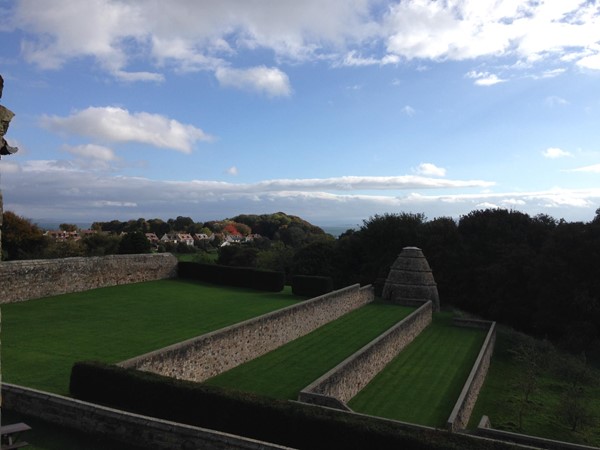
<point x="331" y="110"/>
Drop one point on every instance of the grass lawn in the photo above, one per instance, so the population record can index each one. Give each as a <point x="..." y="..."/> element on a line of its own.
<point x="500" y="397"/>
<point x="421" y="385"/>
<point x="41" y="339"/>
<point x="282" y="373"/>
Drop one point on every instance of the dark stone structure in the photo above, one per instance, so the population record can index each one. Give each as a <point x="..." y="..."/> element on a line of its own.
<point x="410" y="280"/>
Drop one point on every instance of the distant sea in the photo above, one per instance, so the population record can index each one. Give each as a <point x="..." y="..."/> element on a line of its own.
<point x="336" y="230"/>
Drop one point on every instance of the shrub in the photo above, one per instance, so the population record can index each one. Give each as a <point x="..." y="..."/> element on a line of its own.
<point x="264" y="280"/>
<point x="286" y="423"/>
<point x="311" y="286"/>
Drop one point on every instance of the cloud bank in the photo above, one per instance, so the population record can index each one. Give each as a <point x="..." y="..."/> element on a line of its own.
<point x="191" y="35"/>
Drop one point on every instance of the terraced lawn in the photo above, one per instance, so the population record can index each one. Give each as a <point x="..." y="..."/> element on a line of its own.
<point x="282" y="373"/>
<point x="421" y="385"/>
<point x="41" y="339"/>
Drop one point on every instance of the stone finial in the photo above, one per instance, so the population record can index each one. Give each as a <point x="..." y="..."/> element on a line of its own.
<point x="410" y="279"/>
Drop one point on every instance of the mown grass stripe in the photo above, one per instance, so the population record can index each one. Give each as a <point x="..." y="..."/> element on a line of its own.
<point x="422" y="384"/>
<point x="41" y="339"/>
<point x="282" y="373"/>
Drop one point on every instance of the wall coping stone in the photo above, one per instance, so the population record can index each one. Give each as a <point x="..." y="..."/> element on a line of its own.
<point x="122" y="425"/>
<point x="485" y="429"/>
<point x="470" y="388"/>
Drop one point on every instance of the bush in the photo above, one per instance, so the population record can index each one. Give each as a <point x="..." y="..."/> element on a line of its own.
<point x="311" y="286"/>
<point x="286" y="423"/>
<point x="264" y="280"/>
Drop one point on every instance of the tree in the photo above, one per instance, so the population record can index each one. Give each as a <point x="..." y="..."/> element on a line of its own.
<point x="532" y="357"/>
<point x="134" y="243"/>
<point x="100" y="244"/>
<point x="20" y="238"/>
<point x="237" y="256"/>
<point x="68" y="227"/>
<point x="574" y="408"/>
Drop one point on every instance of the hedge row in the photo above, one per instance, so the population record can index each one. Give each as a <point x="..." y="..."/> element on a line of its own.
<point x="311" y="286"/>
<point x="264" y="280"/>
<point x="243" y="414"/>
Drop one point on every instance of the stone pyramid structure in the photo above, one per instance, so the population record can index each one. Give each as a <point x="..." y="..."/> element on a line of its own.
<point x="410" y="279"/>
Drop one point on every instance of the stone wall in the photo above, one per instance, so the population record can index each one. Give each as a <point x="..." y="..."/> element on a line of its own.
<point x="485" y="429"/>
<point x="205" y="356"/>
<point x="348" y="378"/>
<point x="461" y="413"/>
<point x="25" y="280"/>
<point x="143" y="431"/>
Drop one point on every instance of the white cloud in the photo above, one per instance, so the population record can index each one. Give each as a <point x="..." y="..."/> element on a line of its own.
<point x="268" y="80"/>
<point x="92" y="151"/>
<point x="429" y="169"/>
<point x="595" y="168"/>
<point x="554" y="100"/>
<point x="484" y="78"/>
<point x="409" y="111"/>
<point x="115" y="124"/>
<point x="203" y="35"/>
<point x="61" y="190"/>
<point x="233" y="170"/>
<point x="555" y="152"/>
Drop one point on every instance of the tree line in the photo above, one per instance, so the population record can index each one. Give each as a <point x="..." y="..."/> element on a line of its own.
<point x="537" y="274"/>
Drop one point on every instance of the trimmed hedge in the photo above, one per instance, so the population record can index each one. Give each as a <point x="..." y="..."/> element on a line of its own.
<point x="286" y="423"/>
<point x="311" y="286"/>
<point x="263" y="280"/>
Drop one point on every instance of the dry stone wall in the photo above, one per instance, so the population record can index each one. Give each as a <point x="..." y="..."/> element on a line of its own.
<point x="25" y="280"/>
<point x="461" y="413"/>
<point x="208" y="355"/>
<point x="339" y="385"/>
<point x="129" y="428"/>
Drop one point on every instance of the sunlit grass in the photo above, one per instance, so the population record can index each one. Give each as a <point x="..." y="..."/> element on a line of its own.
<point x="282" y="373"/>
<point x="421" y="385"/>
<point x="41" y="339"/>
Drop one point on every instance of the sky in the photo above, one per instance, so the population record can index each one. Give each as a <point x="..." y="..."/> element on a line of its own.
<point x="332" y="110"/>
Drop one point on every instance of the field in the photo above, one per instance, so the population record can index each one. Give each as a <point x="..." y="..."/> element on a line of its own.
<point x="421" y="385"/>
<point x="500" y="396"/>
<point x="41" y="339"/>
<point x="282" y="373"/>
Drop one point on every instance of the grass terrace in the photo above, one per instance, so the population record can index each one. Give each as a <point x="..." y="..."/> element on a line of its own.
<point x="421" y="385"/>
<point x="285" y="371"/>
<point x="41" y="339"/>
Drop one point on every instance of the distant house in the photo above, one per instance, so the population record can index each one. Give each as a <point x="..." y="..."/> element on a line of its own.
<point x="176" y="238"/>
<point x="204" y="237"/>
<point x="60" y="235"/>
<point x="153" y="238"/>
<point x="186" y="238"/>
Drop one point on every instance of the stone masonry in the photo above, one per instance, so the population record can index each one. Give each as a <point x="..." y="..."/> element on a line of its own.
<point x="340" y="384"/>
<point x="205" y="356"/>
<point x="25" y="280"/>
<point x="410" y="279"/>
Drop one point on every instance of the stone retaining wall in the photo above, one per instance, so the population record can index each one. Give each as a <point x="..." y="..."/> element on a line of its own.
<point x="485" y="429"/>
<point x="143" y="431"/>
<point x="205" y="356"/>
<point x="26" y="280"/>
<point x="461" y="413"/>
<point x="348" y="378"/>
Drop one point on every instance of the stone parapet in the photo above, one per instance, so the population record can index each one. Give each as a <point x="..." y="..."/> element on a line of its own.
<point x="461" y="413"/>
<point x="133" y="429"/>
<point x="205" y="356"/>
<point x="30" y="279"/>
<point x="349" y="377"/>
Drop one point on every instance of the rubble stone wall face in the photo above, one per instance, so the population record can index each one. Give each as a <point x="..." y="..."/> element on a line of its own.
<point x="26" y="280"/>
<point x="129" y="428"/>
<point x="459" y="418"/>
<point x="205" y="356"/>
<point x="352" y="375"/>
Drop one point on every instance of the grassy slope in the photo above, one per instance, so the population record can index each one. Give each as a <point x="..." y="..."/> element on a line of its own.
<point x="282" y="373"/>
<point x="41" y="339"/>
<point x="421" y="385"/>
<point x="499" y="400"/>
